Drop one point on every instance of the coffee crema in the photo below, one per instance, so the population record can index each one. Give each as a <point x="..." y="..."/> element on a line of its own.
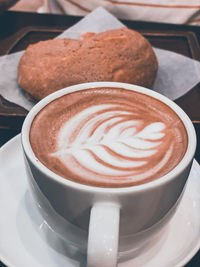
<point x="108" y="137"/>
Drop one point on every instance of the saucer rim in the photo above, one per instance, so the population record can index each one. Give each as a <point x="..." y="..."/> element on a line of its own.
<point x="8" y="263"/>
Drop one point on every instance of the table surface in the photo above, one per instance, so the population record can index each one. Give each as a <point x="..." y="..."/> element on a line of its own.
<point x="11" y="23"/>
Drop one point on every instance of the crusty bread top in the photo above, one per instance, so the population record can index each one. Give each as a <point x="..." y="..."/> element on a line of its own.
<point x="120" y="55"/>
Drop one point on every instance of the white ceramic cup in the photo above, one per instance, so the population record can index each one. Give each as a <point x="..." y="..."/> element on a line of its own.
<point x="115" y="219"/>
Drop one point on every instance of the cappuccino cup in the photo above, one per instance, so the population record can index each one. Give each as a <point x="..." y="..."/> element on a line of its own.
<point x="107" y="164"/>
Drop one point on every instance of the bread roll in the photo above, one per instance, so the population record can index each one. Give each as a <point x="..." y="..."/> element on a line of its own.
<point x="120" y="55"/>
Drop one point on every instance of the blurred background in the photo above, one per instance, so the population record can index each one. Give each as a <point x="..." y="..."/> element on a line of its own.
<point x="168" y="11"/>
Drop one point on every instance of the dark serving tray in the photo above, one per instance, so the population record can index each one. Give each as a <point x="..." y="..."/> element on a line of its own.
<point x="19" y="29"/>
<point x="186" y="43"/>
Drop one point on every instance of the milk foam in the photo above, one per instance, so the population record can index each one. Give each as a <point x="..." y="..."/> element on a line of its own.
<point x="108" y="141"/>
<point x="108" y="137"/>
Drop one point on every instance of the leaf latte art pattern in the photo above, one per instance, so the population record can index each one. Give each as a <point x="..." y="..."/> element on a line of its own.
<point x="108" y="137"/>
<point x="110" y="142"/>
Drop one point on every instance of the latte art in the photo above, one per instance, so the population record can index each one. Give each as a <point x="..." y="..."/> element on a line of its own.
<point x="108" y="138"/>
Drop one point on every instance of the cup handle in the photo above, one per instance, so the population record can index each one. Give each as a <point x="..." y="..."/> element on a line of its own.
<point x="103" y="235"/>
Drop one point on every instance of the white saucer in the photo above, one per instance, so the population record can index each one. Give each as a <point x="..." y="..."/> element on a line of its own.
<point x="25" y="239"/>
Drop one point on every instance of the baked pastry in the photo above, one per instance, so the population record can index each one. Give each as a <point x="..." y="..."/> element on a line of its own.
<point x="120" y="55"/>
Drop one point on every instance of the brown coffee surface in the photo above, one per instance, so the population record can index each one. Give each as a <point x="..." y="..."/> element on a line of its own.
<point x="108" y="137"/>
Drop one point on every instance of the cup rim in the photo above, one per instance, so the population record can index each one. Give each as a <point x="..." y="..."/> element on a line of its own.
<point x="189" y="154"/>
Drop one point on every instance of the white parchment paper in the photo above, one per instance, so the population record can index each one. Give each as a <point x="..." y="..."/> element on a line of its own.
<point x="177" y="74"/>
